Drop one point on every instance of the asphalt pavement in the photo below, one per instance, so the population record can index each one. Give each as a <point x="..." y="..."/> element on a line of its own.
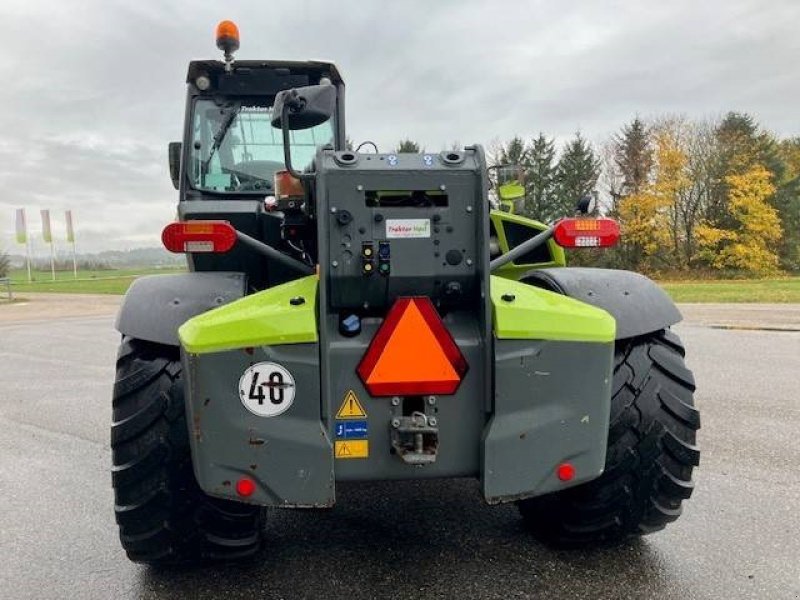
<point x="738" y="538"/>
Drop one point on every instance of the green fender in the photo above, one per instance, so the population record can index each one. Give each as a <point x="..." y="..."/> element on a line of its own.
<point x="524" y="312"/>
<point x="284" y="314"/>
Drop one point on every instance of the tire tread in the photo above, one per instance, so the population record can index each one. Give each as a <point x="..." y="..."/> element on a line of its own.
<point x="651" y="453"/>
<point x="163" y="515"/>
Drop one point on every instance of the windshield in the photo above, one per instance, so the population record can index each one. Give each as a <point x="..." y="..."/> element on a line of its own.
<point x="235" y="148"/>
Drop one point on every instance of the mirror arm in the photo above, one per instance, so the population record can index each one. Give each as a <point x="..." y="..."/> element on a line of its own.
<point x="276" y="255"/>
<point x="287" y="153"/>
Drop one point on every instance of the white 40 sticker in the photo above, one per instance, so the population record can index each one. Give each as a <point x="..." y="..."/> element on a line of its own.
<point x="266" y="389"/>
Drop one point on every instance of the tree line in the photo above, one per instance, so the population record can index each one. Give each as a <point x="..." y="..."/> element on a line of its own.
<point x="720" y="195"/>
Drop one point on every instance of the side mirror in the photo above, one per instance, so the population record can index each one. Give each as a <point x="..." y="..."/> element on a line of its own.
<point x="586" y="205"/>
<point x="174" y="151"/>
<point x="304" y="107"/>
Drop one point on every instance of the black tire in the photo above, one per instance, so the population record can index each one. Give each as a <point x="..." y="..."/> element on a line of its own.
<point x="163" y="515"/>
<point x="651" y="453"/>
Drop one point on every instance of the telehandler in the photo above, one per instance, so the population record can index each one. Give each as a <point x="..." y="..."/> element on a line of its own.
<point x="362" y="316"/>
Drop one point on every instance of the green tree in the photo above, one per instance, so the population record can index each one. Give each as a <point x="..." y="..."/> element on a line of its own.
<point x="633" y="157"/>
<point x="513" y="153"/>
<point x="408" y="145"/>
<point x="576" y="175"/>
<point x="787" y="202"/>
<point x="540" y="180"/>
<point x="5" y="264"/>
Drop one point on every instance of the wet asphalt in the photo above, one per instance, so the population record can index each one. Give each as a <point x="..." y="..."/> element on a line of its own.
<point x="739" y="536"/>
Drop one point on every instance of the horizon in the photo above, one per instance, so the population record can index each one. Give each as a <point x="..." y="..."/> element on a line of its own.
<point x="82" y="132"/>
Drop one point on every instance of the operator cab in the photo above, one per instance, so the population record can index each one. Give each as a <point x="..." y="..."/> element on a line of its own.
<point x="225" y="167"/>
<point x="229" y="148"/>
<point x="232" y="149"/>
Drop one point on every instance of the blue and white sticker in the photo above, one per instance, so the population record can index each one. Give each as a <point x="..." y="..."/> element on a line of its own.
<point x="350" y="430"/>
<point x="428" y="160"/>
<point x="392" y="160"/>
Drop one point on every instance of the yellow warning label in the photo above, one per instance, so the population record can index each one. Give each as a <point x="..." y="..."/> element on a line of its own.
<point x="352" y="449"/>
<point x="351" y="408"/>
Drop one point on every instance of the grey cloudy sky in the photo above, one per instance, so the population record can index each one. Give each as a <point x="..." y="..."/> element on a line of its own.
<point x="92" y="90"/>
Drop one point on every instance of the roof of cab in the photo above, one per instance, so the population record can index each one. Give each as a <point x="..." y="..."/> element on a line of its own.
<point x="197" y="67"/>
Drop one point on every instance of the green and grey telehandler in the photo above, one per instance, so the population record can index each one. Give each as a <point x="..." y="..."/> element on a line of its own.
<point x="351" y="316"/>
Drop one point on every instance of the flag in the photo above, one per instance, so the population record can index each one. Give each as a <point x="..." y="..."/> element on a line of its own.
<point x="70" y="228"/>
<point x="22" y="227"/>
<point x="47" y="234"/>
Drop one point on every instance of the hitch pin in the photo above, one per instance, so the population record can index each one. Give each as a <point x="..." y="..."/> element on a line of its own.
<point x="420" y="418"/>
<point x="421" y="421"/>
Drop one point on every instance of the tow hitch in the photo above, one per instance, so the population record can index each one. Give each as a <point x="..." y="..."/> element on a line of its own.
<point x="415" y="438"/>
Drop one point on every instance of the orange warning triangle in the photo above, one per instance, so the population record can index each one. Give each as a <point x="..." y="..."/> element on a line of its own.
<point x="412" y="353"/>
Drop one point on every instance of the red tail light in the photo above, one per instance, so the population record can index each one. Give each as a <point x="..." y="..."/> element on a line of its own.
<point x="586" y="233"/>
<point x="198" y="236"/>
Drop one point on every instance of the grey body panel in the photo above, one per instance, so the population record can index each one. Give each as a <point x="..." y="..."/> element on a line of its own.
<point x="418" y="268"/>
<point x="418" y="265"/>
<point x="157" y="305"/>
<point x="522" y="408"/>
<point x="552" y="402"/>
<point x="636" y="302"/>
<point x="460" y="417"/>
<point x="289" y="456"/>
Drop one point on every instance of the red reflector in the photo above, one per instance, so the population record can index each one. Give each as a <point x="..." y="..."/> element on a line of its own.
<point x="412" y="353"/>
<point x="198" y="236"/>
<point x="586" y="233"/>
<point x="565" y="471"/>
<point x="245" y="487"/>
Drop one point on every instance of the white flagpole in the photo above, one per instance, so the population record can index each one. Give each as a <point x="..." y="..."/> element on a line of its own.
<point x="24" y="238"/>
<point x="47" y="235"/>
<point x="28" y="257"/>
<point x="71" y="239"/>
<point x="52" y="259"/>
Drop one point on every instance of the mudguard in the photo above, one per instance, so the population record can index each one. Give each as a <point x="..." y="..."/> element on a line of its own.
<point x="157" y="305"/>
<point x="636" y="302"/>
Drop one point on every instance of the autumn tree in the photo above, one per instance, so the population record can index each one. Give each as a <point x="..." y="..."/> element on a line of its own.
<point x="742" y="146"/>
<point x="700" y="147"/>
<point x="748" y="243"/>
<point x="649" y="217"/>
